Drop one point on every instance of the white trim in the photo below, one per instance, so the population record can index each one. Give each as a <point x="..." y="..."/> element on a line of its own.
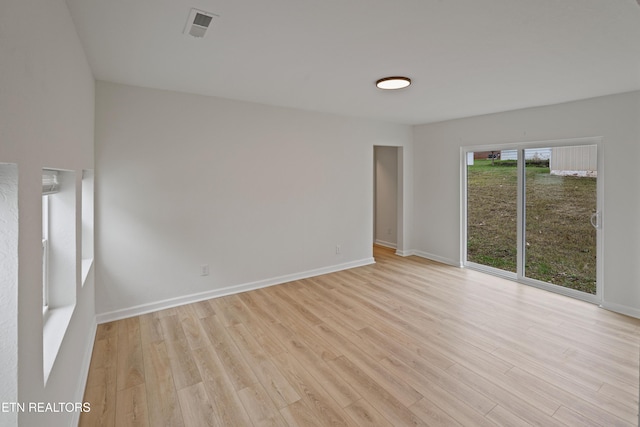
<point x="85" y="268"/>
<point x="54" y="329"/>
<point x="84" y="372"/>
<point x="386" y="244"/>
<point x="406" y="253"/>
<point x="559" y="289"/>
<point x="437" y="258"/>
<point x="622" y="309"/>
<point x="509" y="275"/>
<point x="229" y="290"/>
<point x="464" y="151"/>
<point x="600" y="282"/>
<point x="588" y="140"/>
<point x="521" y="214"/>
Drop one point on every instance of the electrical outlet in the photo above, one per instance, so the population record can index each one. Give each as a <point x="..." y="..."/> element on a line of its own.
<point x="389" y="231"/>
<point x="204" y="270"/>
<point x="337" y="249"/>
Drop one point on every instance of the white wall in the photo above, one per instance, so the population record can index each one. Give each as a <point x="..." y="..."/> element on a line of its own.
<point x="386" y="196"/>
<point x="615" y="118"/>
<point x="258" y="193"/>
<point x="8" y="287"/>
<point x="46" y="120"/>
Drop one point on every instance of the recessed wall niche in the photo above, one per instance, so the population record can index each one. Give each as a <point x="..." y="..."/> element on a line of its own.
<point x="59" y="259"/>
<point x="87" y="222"/>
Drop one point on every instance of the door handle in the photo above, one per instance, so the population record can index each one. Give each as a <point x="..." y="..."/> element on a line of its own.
<point x="595" y="220"/>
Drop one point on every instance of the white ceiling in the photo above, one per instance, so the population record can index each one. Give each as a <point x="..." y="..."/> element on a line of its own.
<point x="465" y="57"/>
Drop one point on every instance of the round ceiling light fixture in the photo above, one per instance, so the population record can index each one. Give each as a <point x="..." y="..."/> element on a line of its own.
<point x="396" y="82"/>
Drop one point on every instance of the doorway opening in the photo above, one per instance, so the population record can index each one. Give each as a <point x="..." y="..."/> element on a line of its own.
<point x="388" y="197"/>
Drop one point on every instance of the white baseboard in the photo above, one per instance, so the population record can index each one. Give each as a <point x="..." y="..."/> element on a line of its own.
<point x="229" y="290"/>
<point x="622" y="309"/>
<point x="409" y="252"/>
<point x="386" y="244"/>
<point x="84" y="372"/>
<point x="437" y="258"/>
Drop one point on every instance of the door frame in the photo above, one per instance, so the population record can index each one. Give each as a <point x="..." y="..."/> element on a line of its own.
<point x="401" y="239"/>
<point x="519" y="276"/>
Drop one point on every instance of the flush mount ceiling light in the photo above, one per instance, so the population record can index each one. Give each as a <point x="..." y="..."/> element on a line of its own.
<point x="393" y="82"/>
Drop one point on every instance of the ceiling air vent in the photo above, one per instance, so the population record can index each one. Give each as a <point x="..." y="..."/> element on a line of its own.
<point x="198" y="23"/>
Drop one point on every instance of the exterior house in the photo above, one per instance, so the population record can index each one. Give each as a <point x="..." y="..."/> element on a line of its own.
<point x="534" y="154"/>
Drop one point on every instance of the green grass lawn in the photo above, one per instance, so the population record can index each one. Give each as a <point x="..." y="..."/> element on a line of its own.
<point x="560" y="241"/>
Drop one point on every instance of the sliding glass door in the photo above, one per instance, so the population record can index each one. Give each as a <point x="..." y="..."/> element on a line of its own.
<point x="492" y="212"/>
<point x="561" y="199"/>
<point x="531" y="214"/>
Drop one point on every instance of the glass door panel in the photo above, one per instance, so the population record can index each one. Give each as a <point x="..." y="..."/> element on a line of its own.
<point x="492" y="226"/>
<point x="560" y="216"/>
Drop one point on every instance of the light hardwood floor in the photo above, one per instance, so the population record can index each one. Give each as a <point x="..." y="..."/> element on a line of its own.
<point x="403" y="342"/>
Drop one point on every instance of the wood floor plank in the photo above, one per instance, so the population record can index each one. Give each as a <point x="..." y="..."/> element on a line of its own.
<point x="508" y="396"/>
<point x="403" y="347"/>
<point x="432" y="414"/>
<point x="319" y="400"/>
<point x="230" y="310"/>
<point x="103" y="406"/>
<point x="107" y="330"/>
<point x="162" y="397"/>
<point x="183" y="367"/>
<point x="101" y="386"/>
<point x="325" y="303"/>
<point x="171" y="328"/>
<point x="402" y="391"/>
<point x="103" y="363"/>
<point x="259" y="324"/>
<point x="300" y="348"/>
<point x="196" y="407"/>
<point x="365" y="415"/>
<point x="503" y="417"/>
<point x="591" y="358"/>
<point x="209" y="364"/>
<point x="131" y="407"/>
<point x="204" y="308"/>
<point x="253" y="302"/>
<point x="228" y="407"/>
<point x="299" y="414"/>
<point x="130" y="366"/>
<point x="626" y="394"/>
<point x="269" y="376"/>
<point x="236" y="367"/>
<point x="294" y="304"/>
<point x="294" y="327"/>
<point x="605" y="410"/>
<point x="549" y="368"/>
<point x="404" y="341"/>
<point x="150" y="328"/>
<point x="259" y="407"/>
<point x="451" y="395"/>
<point x="573" y="418"/>
<point x="190" y="323"/>
<point x="394" y="410"/>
